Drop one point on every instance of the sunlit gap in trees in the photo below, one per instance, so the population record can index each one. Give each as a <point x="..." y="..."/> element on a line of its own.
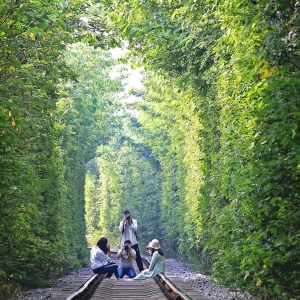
<point x="131" y="80"/>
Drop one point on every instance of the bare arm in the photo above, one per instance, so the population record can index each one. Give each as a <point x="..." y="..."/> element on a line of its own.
<point x="108" y="251"/>
<point x="119" y="254"/>
<point x="132" y="254"/>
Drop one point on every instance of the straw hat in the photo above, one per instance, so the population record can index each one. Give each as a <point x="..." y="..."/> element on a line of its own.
<point x="154" y="244"/>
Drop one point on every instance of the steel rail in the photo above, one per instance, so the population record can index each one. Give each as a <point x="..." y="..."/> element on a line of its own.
<point x="168" y="288"/>
<point x="166" y="285"/>
<point x="176" y="293"/>
<point x="83" y="288"/>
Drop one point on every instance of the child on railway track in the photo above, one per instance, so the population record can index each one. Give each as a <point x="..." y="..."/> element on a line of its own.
<point x="100" y="261"/>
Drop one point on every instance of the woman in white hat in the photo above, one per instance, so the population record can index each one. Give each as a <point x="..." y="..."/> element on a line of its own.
<point x="157" y="264"/>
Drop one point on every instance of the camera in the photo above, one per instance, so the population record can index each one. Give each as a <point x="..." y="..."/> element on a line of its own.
<point x="128" y="218"/>
<point x="149" y="248"/>
<point x="126" y="247"/>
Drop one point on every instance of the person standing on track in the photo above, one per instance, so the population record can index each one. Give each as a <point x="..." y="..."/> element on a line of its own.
<point x="128" y="227"/>
<point x="100" y="260"/>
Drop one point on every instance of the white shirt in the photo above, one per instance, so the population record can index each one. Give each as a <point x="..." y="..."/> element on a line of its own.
<point x="97" y="257"/>
<point x="132" y="230"/>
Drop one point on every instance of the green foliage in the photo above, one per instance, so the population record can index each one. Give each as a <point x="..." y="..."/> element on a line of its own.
<point x="239" y="64"/>
<point x="210" y="165"/>
<point x="32" y="38"/>
<point x="129" y="180"/>
<point x="39" y="238"/>
<point x="170" y="127"/>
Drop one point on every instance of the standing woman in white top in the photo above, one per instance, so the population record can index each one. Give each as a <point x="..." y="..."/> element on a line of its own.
<point x="101" y="262"/>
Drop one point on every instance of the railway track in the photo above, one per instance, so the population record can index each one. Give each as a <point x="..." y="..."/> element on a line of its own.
<point x="96" y="287"/>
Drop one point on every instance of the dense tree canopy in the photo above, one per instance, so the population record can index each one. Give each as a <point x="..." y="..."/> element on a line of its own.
<point x="206" y="156"/>
<point x="44" y="147"/>
<point x="239" y="63"/>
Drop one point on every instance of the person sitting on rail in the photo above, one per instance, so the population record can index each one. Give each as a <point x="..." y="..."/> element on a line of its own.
<point x="127" y="254"/>
<point x="100" y="260"/>
<point x="157" y="264"/>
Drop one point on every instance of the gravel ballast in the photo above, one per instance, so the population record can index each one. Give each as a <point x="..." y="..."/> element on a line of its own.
<point x="200" y="283"/>
<point x="203" y="284"/>
<point x="57" y="286"/>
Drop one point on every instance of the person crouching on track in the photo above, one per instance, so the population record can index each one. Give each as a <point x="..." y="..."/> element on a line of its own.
<point x="127" y="254"/>
<point x="100" y="261"/>
<point x="157" y="264"/>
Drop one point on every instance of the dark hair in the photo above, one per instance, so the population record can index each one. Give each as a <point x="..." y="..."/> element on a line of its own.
<point x="102" y="244"/>
<point x="127" y="242"/>
<point x="126" y="212"/>
<point x="158" y="250"/>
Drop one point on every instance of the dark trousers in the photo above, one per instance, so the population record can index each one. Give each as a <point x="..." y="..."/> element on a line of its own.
<point x="138" y="257"/>
<point x="109" y="269"/>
